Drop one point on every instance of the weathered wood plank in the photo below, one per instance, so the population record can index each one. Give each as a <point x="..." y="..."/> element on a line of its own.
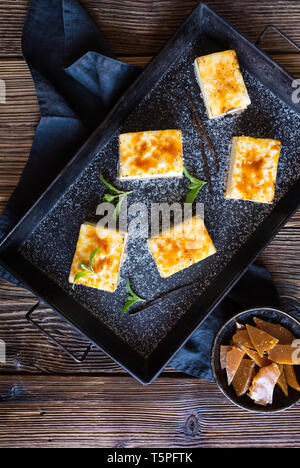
<point x="118" y="412"/>
<point x="141" y="27"/>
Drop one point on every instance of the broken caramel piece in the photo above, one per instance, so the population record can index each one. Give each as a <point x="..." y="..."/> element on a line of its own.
<point x="282" y="381"/>
<point x="275" y="329"/>
<point x="285" y="354"/>
<point x="262" y="341"/>
<point x="260" y="361"/>
<point x="291" y="377"/>
<point x="223" y="352"/>
<point x="233" y="360"/>
<point x="241" y="338"/>
<point x="262" y="388"/>
<point x="243" y="377"/>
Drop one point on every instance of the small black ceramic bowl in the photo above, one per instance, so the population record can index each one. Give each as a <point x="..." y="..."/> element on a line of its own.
<point x="280" y="401"/>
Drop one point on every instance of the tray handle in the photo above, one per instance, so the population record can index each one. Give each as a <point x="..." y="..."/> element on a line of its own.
<point x="278" y="31"/>
<point x="79" y="360"/>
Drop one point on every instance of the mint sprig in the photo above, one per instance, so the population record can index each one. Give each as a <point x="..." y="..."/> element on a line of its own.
<point x="117" y="194"/>
<point x="132" y="299"/>
<point x="87" y="270"/>
<point x="194" y="187"/>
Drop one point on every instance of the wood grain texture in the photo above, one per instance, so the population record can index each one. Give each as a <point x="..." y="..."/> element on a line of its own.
<point x="141" y="27"/>
<point x="118" y="412"/>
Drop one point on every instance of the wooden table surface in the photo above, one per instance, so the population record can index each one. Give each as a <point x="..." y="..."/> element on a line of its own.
<point x="46" y="400"/>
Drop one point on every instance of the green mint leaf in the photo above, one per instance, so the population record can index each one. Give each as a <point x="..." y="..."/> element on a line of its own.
<point x="202" y="183"/>
<point x="92" y="256"/>
<point x="189" y="176"/>
<point x="111" y="187"/>
<point x="79" y="275"/>
<point x="129" y="287"/>
<point x="127" y="305"/>
<point x="134" y="295"/>
<point x="107" y="197"/>
<point x="118" y="207"/>
<point x="130" y="300"/>
<point x="84" y="267"/>
<point x="194" y="187"/>
<point x="191" y="196"/>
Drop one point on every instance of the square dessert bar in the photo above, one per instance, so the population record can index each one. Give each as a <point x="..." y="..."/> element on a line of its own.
<point x="106" y="263"/>
<point x="252" y="169"/>
<point x="151" y="154"/>
<point x="181" y="246"/>
<point x="221" y="83"/>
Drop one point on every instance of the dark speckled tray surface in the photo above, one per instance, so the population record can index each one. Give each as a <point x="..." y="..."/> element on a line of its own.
<point x="228" y="222"/>
<point x="51" y="244"/>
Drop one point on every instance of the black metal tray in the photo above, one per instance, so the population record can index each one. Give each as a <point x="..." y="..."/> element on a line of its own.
<point x="40" y="248"/>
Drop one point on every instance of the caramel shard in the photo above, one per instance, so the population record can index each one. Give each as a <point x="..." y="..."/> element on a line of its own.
<point x="262" y="341"/>
<point x="243" y="377"/>
<point x="223" y="352"/>
<point x="260" y="361"/>
<point x="275" y="329"/>
<point x="285" y="354"/>
<point x="262" y="388"/>
<point x="291" y="378"/>
<point x="282" y="381"/>
<point x="233" y="360"/>
<point x="241" y="338"/>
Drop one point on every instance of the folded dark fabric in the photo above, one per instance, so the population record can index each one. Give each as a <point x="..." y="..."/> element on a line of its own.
<point x="78" y="80"/>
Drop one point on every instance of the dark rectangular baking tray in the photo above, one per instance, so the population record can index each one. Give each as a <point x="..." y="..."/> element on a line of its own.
<point x="210" y="32"/>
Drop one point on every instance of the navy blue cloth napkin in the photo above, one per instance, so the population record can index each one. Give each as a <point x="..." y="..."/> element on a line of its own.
<point x="78" y="80"/>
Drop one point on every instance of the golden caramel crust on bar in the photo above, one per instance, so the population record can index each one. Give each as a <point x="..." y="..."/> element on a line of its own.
<point x="181" y="246"/>
<point x="221" y="83"/>
<point x="151" y="154"/>
<point x="254" y="168"/>
<point x="108" y="260"/>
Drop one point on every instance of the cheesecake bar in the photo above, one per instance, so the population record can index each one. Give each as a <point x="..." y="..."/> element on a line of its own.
<point x="181" y="246"/>
<point x="150" y="154"/>
<point x="221" y="83"/>
<point x="107" y="262"/>
<point x="252" y="169"/>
